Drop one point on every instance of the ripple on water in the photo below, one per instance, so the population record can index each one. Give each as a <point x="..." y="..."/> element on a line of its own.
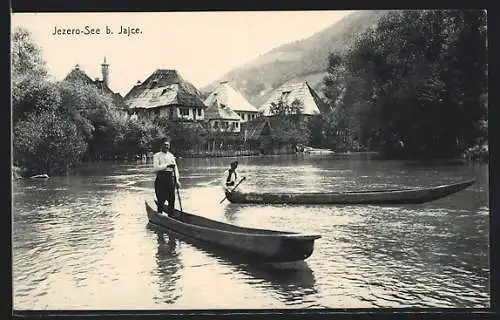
<point x="79" y="241"/>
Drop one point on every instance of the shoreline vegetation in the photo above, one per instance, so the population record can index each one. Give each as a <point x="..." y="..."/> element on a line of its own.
<point x="480" y="157"/>
<point x="412" y="87"/>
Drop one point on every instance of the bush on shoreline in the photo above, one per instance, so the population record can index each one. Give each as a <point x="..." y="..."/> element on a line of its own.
<point x="413" y="86"/>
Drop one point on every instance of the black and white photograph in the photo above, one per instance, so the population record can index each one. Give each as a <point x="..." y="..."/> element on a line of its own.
<point x="226" y="160"/>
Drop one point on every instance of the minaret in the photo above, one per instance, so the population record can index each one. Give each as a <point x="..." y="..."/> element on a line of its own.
<point x="105" y="72"/>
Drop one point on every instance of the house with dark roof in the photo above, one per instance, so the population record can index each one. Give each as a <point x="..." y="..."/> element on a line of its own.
<point x="225" y="94"/>
<point x="296" y="92"/>
<point x="166" y="93"/>
<point x="78" y="75"/>
<point x="221" y="117"/>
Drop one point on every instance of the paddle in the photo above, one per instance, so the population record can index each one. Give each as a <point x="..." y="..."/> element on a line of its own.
<point x="178" y="194"/>
<point x="243" y="179"/>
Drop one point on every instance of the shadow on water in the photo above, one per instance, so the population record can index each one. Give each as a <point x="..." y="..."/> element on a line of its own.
<point x="169" y="265"/>
<point x="293" y="282"/>
<point x="230" y="212"/>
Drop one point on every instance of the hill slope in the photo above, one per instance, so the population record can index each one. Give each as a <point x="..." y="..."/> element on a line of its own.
<point x="305" y="59"/>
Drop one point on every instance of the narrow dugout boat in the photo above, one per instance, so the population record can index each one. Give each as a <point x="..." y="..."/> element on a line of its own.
<point x="394" y="196"/>
<point x="260" y="244"/>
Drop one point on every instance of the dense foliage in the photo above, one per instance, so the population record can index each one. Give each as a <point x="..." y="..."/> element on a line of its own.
<point x="288" y="127"/>
<point x="415" y="85"/>
<point x="57" y="124"/>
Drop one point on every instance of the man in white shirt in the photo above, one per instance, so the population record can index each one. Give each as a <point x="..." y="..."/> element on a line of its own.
<point x="167" y="177"/>
<point x="230" y="176"/>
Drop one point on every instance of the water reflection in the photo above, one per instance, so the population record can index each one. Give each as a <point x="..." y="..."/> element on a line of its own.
<point x="169" y="265"/>
<point x="410" y="253"/>
<point x="63" y="230"/>
<point x="231" y="212"/>
<point x="293" y="283"/>
<point x="87" y="235"/>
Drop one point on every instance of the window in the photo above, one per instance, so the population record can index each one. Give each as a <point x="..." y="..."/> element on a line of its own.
<point x="164" y="91"/>
<point x="222" y="105"/>
<point x="237" y="124"/>
<point x="284" y="95"/>
<point x="199" y="113"/>
<point x="184" y="112"/>
<point x="216" y="124"/>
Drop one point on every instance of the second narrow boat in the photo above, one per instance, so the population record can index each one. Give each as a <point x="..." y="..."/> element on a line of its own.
<point x="394" y="196"/>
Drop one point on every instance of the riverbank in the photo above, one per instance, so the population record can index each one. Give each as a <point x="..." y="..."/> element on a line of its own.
<point x="217" y="154"/>
<point x="479" y="155"/>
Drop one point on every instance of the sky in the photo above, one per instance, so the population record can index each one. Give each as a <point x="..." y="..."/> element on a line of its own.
<point x="201" y="46"/>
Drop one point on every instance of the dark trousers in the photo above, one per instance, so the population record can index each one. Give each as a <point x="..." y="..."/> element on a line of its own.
<point x="165" y="191"/>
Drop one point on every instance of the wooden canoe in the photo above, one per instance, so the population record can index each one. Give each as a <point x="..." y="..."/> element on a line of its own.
<point x="394" y="196"/>
<point x="259" y="244"/>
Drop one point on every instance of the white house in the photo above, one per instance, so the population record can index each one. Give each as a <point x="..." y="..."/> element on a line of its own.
<point x="226" y="95"/>
<point x="289" y="93"/>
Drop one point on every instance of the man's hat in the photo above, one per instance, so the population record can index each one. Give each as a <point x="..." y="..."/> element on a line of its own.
<point x="234" y="163"/>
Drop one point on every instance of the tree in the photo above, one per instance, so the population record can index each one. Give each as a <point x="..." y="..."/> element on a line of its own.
<point x="286" y="109"/>
<point x="31" y="91"/>
<point x="288" y="126"/>
<point x="415" y="80"/>
<point x="47" y="142"/>
<point x="33" y="95"/>
<point x="27" y="60"/>
<point x="95" y="116"/>
<point x="334" y="81"/>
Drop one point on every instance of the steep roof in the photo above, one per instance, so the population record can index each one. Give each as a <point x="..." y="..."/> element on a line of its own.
<point x="220" y="111"/>
<point x="162" y="88"/>
<point x="226" y="95"/>
<point x="78" y="75"/>
<point x="288" y="93"/>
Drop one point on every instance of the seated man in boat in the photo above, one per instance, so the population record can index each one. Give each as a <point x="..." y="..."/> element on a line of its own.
<point x="230" y="176"/>
<point x="167" y="177"/>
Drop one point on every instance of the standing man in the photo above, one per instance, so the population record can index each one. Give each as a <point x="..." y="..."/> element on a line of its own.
<point x="167" y="177"/>
<point x="230" y="176"/>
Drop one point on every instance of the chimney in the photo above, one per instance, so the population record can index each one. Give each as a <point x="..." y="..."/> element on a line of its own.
<point x="77" y="67"/>
<point x="105" y="72"/>
<point x="223" y="82"/>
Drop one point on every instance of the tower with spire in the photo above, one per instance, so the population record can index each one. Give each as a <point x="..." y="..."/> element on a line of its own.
<point x="105" y="72"/>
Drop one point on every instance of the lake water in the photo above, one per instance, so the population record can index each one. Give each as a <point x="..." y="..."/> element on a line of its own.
<point x="83" y="242"/>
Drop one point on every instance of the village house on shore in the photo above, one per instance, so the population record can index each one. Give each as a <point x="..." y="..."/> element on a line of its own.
<point x="226" y="95"/>
<point x="165" y="93"/>
<point x="228" y="109"/>
<point x="300" y="92"/>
